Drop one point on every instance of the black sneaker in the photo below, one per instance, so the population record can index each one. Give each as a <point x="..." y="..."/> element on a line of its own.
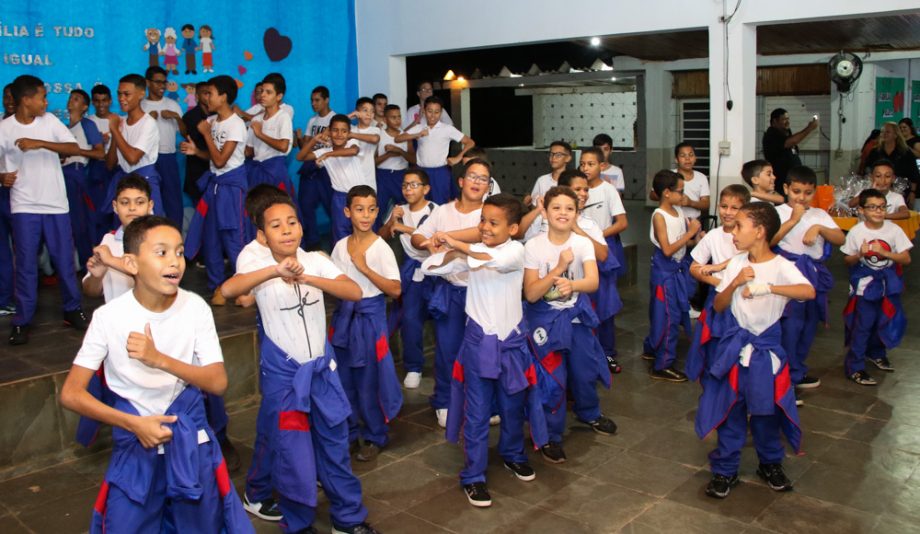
<point x="231" y="456"/>
<point x="552" y="452"/>
<point x="720" y="486"/>
<point x="613" y="365"/>
<point x="76" y="319"/>
<point x="478" y="494"/>
<point x="670" y="374"/>
<point x="267" y="509"/>
<point x="522" y="470"/>
<point x="648" y="357"/>
<point x="19" y="335"/>
<point x="882" y="363"/>
<point x="367" y="452"/>
<point x="809" y="382"/>
<point x="362" y="528"/>
<point x="775" y="477"/>
<point x="863" y="379"/>
<point x="603" y="425"/>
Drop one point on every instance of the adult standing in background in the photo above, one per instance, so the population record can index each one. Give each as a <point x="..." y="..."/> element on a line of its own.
<point x="780" y="145"/>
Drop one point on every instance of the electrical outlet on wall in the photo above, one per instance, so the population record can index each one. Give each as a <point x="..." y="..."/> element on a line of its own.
<point x="725" y="148"/>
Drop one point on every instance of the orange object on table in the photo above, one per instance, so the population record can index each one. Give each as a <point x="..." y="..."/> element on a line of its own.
<point x="824" y="197"/>
<point x="910" y="225"/>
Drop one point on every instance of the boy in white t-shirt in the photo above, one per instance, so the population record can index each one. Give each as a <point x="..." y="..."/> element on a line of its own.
<point x="434" y="137"/>
<point x="882" y="177"/>
<point x="368" y="136"/>
<point x="380" y="104"/>
<point x="479" y="152"/>
<point x="268" y="140"/>
<point x="758" y="174"/>
<point x="315" y="188"/>
<point x="610" y="173"/>
<point x="31" y="144"/>
<point x="392" y="161"/>
<point x="560" y="155"/>
<point x="218" y="227"/>
<point x="494" y="360"/>
<point x="168" y="116"/>
<point x="135" y="145"/>
<point x="76" y="174"/>
<point x="559" y="271"/>
<point x="696" y="185"/>
<point x="416" y="288"/>
<point x="749" y="381"/>
<point x="160" y="349"/>
<point x="448" y="294"/>
<point x="670" y="283"/>
<point x="340" y="161"/>
<point x="359" y="329"/>
<point x="876" y="250"/>
<point x="710" y="257"/>
<point x="99" y="174"/>
<point x="805" y="238"/>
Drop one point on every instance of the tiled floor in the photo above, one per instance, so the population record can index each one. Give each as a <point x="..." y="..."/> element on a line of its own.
<point x="860" y="471"/>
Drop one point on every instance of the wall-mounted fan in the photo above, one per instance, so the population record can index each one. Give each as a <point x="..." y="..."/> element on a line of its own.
<point x="845" y="68"/>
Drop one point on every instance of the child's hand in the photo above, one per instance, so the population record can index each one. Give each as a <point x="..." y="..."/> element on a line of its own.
<point x="95" y="267"/>
<point x="26" y="144"/>
<point x="360" y="260"/>
<point x="323" y="137"/>
<point x="256" y="127"/>
<point x="798" y="210"/>
<point x="392" y="148"/>
<point x="245" y="301"/>
<point x="423" y="133"/>
<point x="150" y="430"/>
<point x="289" y="268"/>
<point x="702" y="235"/>
<point x="397" y="213"/>
<point x="454" y="160"/>
<point x="566" y="257"/>
<point x="141" y="347"/>
<point x="563" y="285"/>
<point x="8" y="178"/>
<point x="204" y="128"/>
<point x="170" y="114"/>
<point x="745" y="276"/>
<point x="811" y="236"/>
<point x="103" y="254"/>
<point x="322" y="158"/>
<point x="541" y="208"/>
<point x="188" y="148"/>
<point x="114" y="121"/>
<point x="154" y="114"/>
<point x="353" y="115"/>
<point x="693" y="227"/>
<point x="706" y="270"/>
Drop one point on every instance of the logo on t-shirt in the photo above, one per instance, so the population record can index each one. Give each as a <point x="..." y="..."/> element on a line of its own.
<point x="539" y="336"/>
<point x="873" y="259"/>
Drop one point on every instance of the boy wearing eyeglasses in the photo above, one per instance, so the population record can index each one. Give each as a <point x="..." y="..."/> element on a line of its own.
<point x="876" y="250"/>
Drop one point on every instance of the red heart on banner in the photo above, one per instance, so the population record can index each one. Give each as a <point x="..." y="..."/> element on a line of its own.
<point x="241" y="69"/>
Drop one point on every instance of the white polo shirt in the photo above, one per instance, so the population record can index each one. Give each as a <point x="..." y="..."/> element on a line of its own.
<point x="168" y="128"/>
<point x="792" y="241"/>
<point x="380" y="259"/>
<point x="39" y="186"/>
<point x="143" y="135"/>
<point x="433" y="149"/>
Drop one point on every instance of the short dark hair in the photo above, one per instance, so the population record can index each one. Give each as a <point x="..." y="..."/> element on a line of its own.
<point x="201" y="85"/>
<point x="557" y="191"/>
<point x="322" y="90"/>
<point x="155" y="69"/>
<point x="420" y="172"/>
<point x="596" y="152"/>
<point x="434" y="100"/>
<point x="269" y="201"/>
<point x="565" y="146"/>
<point x="801" y="174"/>
<point x="508" y="203"/>
<point x="477" y="161"/>
<point x="134" y="79"/>
<point x="665" y="180"/>
<point x="225" y="85"/>
<point x="359" y="191"/>
<point x="566" y="177"/>
<point x="883" y="163"/>
<point x="276" y="79"/>
<point x="753" y="168"/>
<point x="777" y="113"/>
<point x="602" y="139"/>
<point x="133" y="181"/>
<point x="187" y="27"/>
<point x="390" y="107"/>
<point x="136" y="232"/>
<point x="25" y="85"/>
<point x="477" y="152"/>
<point x="258" y="196"/>
<point x="83" y="94"/>
<point x="418" y="86"/>
<point x="683" y="144"/>
<point x="736" y="191"/>
<point x="763" y="214"/>
<point x="866" y="194"/>
<point x="101" y="89"/>
<point x="378" y="96"/>
<point x="363" y="100"/>
<point x="339" y="117"/>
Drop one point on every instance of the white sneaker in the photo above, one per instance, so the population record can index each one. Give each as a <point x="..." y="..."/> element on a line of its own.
<point x="441" y="413"/>
<point x="412" y="380"/>
<point x="495" y="420"/>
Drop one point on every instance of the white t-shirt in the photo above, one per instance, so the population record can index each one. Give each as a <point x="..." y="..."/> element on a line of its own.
<point x="603" y="205"/>
<point x="614" y="176"/>
<point x="493" y="299"/>
<point x="206" y="45"/>
<point x="894" y="201"/>
<point x="541" y="255"/>
<point x="380" y="259"/>
<point x="82" y="142"/>
<point x="278" y="126"/>
<point x="233" y="128"/>
<point x="115" y="283"/>
<point x="433" y="149"/>
<point x="890" y="236"/>
<point x="676" y="226"/>
<point x="143" y="135"/>
<point x="792" y="242"/>
<point x="293" y="315"/>
<point x="103" y="125"/>
<point x="695" y="189"/>
<point x="257" y="108"/>
<point x="345" y="172"/>
<point x="39" y="186"/>
<point x="415" y="112"/>
<point x="759" y="313"/>
<point x="252" y="252"/>
<point x="446" y="218"/>
<point x="541" y="186"/>
<point x="366" y="153"/>
<point x="716" y="246"/>
<point x="317" y="124"/>
<point x="414" y="219"/>
<point x="393" y="163"/>
<point x="185" y="332"/>
<point x="168" y="127"/>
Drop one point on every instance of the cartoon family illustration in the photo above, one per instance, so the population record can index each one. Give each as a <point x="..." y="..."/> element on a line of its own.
<point x="171" y="51"/>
